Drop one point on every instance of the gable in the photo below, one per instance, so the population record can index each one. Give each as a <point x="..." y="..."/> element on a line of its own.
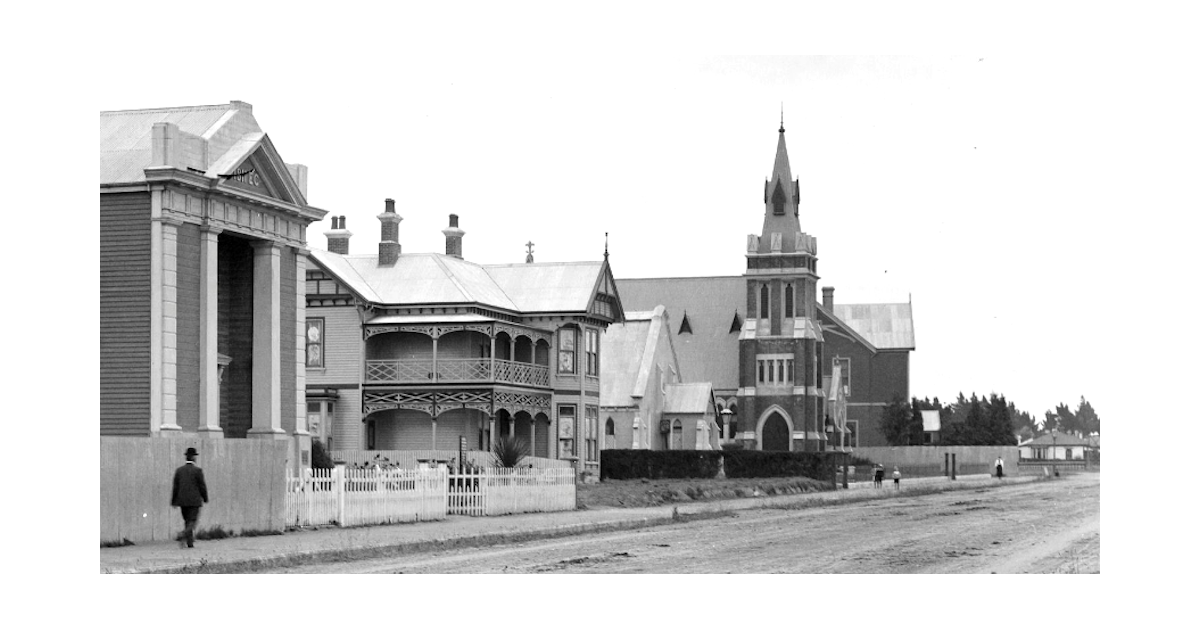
<point x="606" y="302"/>
<point x="251" y="175"/>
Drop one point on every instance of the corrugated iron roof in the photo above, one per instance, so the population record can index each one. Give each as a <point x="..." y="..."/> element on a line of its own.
<point x="688" y="398"/>
<point x="548" y="287"/>
<point x="429" y="278"/>
<point x="1062" y="439"/>
<point x="708" y="353"/>
<point x="886" y="326"/>
<point x="125" y="136"/>
<point x="623" y="349"/>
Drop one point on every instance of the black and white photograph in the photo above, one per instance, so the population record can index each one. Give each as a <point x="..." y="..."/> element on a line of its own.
<point x="773" y="308"/>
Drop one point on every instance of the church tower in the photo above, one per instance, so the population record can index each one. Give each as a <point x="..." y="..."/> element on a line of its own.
<point x="780" y="345"/>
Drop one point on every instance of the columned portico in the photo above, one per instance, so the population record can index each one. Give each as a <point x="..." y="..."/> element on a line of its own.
<point x="267" y="412"/>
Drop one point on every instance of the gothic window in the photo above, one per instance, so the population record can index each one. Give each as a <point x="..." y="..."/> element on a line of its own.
<point x="787" y="302"/>
<point x="685" y="326"/>
<point x="779" y="200"/>
<point x="764" y="302"/>
<point x="844" y="362"/>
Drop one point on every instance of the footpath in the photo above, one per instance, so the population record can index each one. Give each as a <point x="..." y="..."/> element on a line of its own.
<point x="241" y="554"/>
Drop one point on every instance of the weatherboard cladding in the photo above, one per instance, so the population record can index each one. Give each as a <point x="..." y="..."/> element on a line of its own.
<point x="125" y="314"/>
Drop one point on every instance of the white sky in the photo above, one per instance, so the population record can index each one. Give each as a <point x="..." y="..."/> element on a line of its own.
<point x="982" y="185"/>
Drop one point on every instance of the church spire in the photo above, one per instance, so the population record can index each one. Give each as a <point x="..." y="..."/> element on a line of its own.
<point x="781" y="198"/>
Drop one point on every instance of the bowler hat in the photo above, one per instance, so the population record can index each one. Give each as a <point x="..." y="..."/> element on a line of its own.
<point x="191" y="452"/>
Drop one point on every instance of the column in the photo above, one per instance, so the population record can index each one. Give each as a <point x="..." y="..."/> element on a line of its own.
<point x="533" y="435"/>
<point x="267" y="413"/>
<point x="163" y="313"/>
<point x="302" y="427"/>
<point x="435" y="370"/>
<point x="210" y="382"/>
<point x="491" y="431"/>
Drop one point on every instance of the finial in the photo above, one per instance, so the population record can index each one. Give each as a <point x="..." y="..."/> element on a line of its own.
<point x="780" y="116"/>
<point x="529" y="252"/>
<point x="606" y="246"/>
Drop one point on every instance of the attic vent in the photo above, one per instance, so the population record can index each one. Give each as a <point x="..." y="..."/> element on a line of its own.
<point x="736" y="326"/>
<point x="685" y="326"/>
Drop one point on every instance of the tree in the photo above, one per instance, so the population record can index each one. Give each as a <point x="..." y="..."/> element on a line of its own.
<point x="1050" y="423"/>
<point x="1067" y="422"/>
<point x="897" y="422"/>
<point x="999" y="428"/>
<point x="1086" y="418"/>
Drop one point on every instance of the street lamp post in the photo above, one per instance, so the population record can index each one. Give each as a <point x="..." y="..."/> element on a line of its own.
<point x="1054" y="450"/>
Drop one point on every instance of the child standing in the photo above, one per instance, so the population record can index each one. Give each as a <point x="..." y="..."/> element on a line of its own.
<point x="896" y="476"/>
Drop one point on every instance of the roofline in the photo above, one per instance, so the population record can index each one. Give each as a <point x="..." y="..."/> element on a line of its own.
<point x="178" y="108"/>
<point x="836" y="320"/>
<point x="680" y="278"/>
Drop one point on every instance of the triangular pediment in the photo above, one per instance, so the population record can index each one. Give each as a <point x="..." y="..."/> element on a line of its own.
<point x="252" y="165"/>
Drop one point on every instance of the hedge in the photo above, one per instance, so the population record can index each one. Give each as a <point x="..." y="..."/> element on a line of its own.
<point x="643" y="464"/>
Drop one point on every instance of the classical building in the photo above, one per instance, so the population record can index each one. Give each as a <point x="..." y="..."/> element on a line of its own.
<point x="422" y="351"/>
<point x="768" y="346"/>
<point x="202" y="271"/>
<point x="643" y="402"/>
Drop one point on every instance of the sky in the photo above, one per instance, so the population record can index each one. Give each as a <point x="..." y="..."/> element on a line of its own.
<point x="979" y="186"/>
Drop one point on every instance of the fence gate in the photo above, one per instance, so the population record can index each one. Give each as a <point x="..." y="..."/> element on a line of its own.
<point x="467" y="493"/>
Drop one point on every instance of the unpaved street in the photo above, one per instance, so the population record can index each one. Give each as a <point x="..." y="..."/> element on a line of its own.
<point x="1041" y="527"/>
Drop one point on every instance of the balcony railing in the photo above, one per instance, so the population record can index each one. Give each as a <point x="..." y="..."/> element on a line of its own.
<point x="457" y="371"/>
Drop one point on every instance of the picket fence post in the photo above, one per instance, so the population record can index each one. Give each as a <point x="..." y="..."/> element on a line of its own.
<point x="339" y="482"/>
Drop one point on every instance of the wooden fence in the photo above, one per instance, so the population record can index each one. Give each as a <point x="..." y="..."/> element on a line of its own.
<point x="495" y="491"/>
<point x="366" y="496"/>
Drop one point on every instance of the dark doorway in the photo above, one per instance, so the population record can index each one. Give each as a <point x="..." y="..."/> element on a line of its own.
<point x="775" y="434"/>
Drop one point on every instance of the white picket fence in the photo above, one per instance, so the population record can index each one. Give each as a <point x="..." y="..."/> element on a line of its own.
<point x="413" y="459"/>
<point x="370" y="496"/>
<point x="350" y="496"/>
<point x="495" y="491"/>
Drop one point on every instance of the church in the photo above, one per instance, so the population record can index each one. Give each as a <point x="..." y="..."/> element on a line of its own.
<point x="770" y="348"/>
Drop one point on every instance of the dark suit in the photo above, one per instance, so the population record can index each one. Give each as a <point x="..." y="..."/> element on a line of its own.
<point x="189" y="492"/>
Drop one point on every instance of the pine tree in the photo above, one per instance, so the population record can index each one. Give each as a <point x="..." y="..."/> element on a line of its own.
<point x="1086" y="418"/>
<point x="896" y="422"/>
<point x="1067" y="422"/>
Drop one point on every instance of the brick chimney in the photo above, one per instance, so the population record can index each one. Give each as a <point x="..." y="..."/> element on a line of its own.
<point x="827" y="298"/>
<point x="389" y="241"/>
<point x="453" y="238"/>
<point x="338" y="237"/>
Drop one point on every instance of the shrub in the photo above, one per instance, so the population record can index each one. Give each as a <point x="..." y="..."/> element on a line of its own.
<point x="732" y="446"/>
<point x="510" y="450"/>
<point x="320" y="456"/>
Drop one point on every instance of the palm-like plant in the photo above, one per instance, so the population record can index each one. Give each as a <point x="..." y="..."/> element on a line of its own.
<point x="510" y="450"/>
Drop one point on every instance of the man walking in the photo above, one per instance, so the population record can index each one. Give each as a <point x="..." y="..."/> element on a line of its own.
<point x="188" y="492"/>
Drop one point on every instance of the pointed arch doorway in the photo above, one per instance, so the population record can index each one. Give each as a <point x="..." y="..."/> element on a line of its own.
<point x="775" y="434"/>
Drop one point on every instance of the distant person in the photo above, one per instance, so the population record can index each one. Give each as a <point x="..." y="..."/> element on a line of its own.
<point x="878" y="475"/>
<point x="1000" y="467"/>
<point x="189" y="492"/>
<point x="896" y="476"/>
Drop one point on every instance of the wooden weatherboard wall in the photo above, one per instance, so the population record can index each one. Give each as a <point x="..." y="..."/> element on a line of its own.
<point x="245" y="479"/>
<point x="125" y="314"/>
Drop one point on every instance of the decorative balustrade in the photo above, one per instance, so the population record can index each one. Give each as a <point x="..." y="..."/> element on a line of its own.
<point x="456" y="371"/>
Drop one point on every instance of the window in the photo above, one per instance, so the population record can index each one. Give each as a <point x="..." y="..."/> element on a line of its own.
<point x="776" y="369"/>
<point x="610" y="434"/>
<point x="593" y="352"/>
<point x="764" y="302"/>
<point x="844" y="362"/>
<point x="370" y="435"/>
<point x="676" y="436"/>
<point x="685" y="326"/>
<point x="314" y="334"/>
<point x="566" y="351"/>
<point x="566" y="430"/>
<point x="592" y="417"/>
<point x="787" y="302"/>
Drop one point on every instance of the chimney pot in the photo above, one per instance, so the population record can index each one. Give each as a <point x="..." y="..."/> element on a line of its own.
<point x="454" y="220"/>
<point x="454" y="236"/>
<point x="827" y="298"/>
<point x="389" y="205"/>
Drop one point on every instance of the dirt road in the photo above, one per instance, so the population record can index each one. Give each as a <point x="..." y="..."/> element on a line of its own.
<point x="1043" y="527"/>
